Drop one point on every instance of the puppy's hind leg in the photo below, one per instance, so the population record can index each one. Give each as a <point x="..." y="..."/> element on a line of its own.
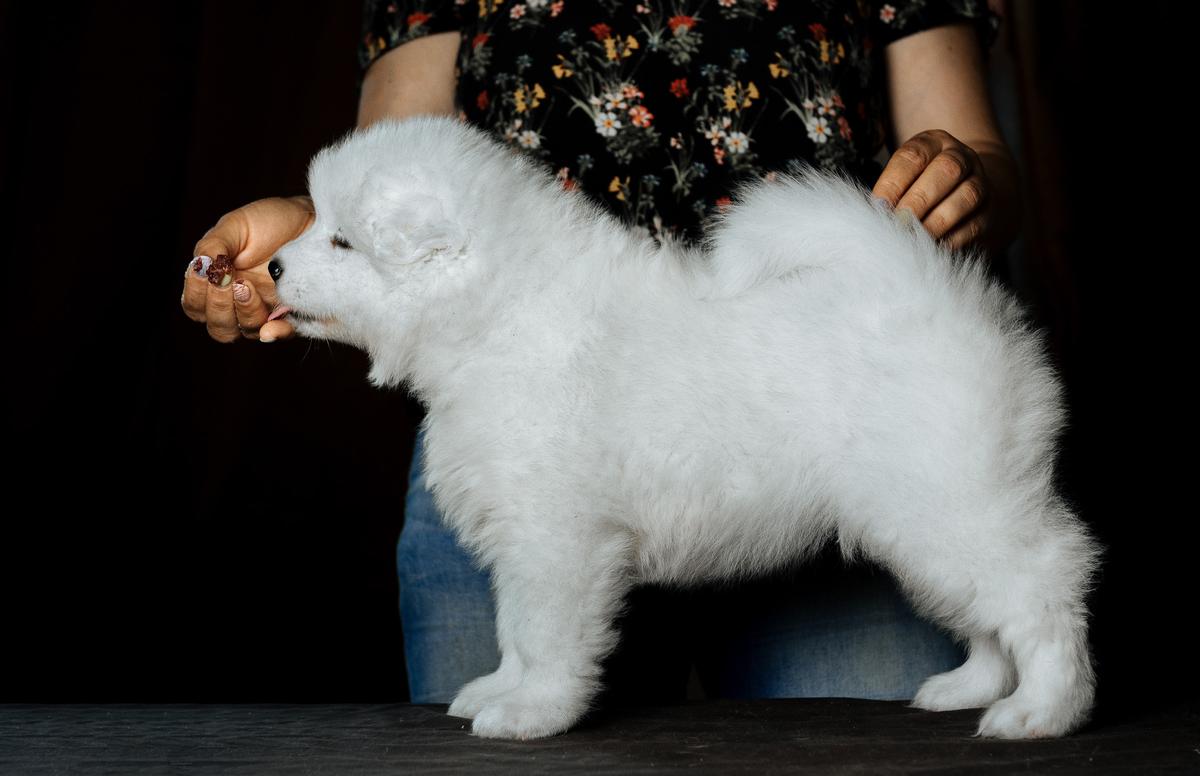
<point x="987" y="676"/>
<point x="557" y="596"/>
<point x="1023" y="579"/>
<point x="1042" y="622"/>
<point x="477" y="693"/>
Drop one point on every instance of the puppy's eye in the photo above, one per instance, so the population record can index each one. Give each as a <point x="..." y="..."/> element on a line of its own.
<point x="340" y="242"/>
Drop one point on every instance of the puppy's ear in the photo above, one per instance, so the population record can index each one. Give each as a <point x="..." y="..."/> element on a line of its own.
<point x="406" y="218"/>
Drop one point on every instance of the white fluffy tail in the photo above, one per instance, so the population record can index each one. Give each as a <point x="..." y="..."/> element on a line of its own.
<point x="807" y="218"/>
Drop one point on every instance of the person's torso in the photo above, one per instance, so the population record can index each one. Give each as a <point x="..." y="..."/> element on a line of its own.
<point x="660" y="109"/>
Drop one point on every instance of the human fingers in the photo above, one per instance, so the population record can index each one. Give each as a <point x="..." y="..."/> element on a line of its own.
<point x="203" y="274"/>
<point x="249" y="308"/>
<point x="204" y="271"/>
<point x="195" y="289"/>
<point x="945" y="172"/>
<point x="220" y="318"/>
<point x="967" y="199"/>
<point x="253" y="313"/>
<point x="969" y="233"/>
<point x="277" y="329"/>
<point x="906" y="165"/>
<point x="248" y="236"/>
<point x="212" y="272"/>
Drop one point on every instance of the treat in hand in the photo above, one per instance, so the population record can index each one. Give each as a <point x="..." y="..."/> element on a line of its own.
<point x="220" y="270"/>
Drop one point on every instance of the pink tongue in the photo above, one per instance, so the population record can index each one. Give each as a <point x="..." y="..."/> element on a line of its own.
<point x="279" y="312"/>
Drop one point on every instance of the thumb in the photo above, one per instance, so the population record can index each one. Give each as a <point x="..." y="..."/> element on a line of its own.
<point x="252" y="234"/>
<point x="267" y="225"/>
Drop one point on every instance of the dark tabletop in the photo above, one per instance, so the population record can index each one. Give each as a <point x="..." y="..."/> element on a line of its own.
<point x="718" y="736"/>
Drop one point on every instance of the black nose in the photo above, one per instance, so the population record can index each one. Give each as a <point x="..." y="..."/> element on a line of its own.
<point x="275" y="268"/>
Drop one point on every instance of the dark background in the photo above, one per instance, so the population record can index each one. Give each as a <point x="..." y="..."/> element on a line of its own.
<point x="175" y="534"/>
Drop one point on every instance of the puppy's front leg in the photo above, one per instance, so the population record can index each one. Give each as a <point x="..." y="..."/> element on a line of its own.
<point x="557" y="594"/>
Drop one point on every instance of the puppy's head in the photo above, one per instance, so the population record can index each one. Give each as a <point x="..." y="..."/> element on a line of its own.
<point x="389" y="242"/>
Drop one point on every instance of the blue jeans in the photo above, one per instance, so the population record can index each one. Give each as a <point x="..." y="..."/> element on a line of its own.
<point x="825" y="630"/>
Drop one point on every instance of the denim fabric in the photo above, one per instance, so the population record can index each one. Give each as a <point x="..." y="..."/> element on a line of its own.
<point x="446" y="610"/>
<point x="824" y="630"/>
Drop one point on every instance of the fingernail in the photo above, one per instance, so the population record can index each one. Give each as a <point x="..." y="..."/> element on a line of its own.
<point x="265" y="338"/>
<point x="241" y="291"/>
<point x="906" y="216"/>
<point x="200" y="264"/>
<point x="883" y="202"/>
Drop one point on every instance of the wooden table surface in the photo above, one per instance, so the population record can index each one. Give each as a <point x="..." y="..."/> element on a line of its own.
<point x="716" y="736"/>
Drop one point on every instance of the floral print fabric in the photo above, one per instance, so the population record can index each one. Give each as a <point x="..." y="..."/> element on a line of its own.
<point x="659" y="108"/>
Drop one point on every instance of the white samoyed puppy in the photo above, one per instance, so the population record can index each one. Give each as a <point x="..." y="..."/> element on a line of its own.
<point x="603" y="411"/>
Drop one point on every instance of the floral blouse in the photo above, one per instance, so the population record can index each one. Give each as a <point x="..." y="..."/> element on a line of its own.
<point x="659" y="108"/>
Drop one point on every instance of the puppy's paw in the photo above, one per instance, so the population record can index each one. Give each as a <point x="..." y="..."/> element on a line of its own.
<point x="1022" y="717"/>
<point x="528" y="712"/>
<point x="965" y="687"/>
<point x="477" y="693"/>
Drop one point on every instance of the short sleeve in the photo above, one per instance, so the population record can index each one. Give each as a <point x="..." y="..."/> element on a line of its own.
<point x="898" y="18"/>
<point x="388" y="23"/>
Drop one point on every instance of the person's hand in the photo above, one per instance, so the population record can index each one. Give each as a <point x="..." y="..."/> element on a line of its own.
<point x="249" y="236"/>
<point x="942" y="182"/>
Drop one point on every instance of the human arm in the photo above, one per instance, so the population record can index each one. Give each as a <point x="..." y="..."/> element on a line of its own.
<point x="953" y="170"/>
<point x="414" y="78"/>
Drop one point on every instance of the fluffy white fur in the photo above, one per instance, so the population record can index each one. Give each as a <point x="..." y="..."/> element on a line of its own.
<point x="603" y="411"/>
